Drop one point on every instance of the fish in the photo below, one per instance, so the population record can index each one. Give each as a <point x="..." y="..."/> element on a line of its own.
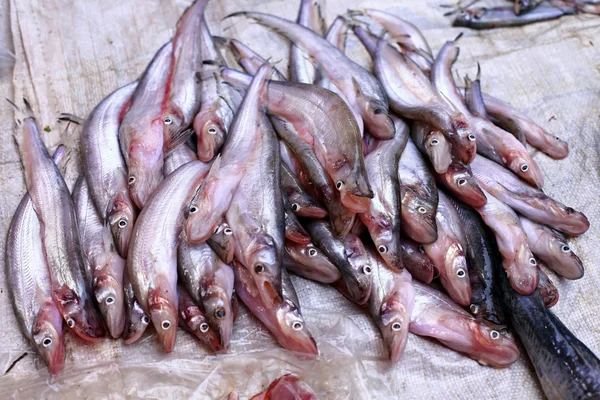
<point x="412" y="95"/>
<point x="29" y="284"/>
<point x="301" y="68"/>
<point x="526" y="200"/>
<point x="500" y="17"/>
<point x="324" y="122"/>
<point x="448" y="252"/>
<point x="483" y="258"/>
<point x="474" y="99"/>
<point x="239" y="152"/>
<point x="288" y="387"/>
<point x="566" y="367"/>
<point x="152" y="258"/>
<point x="194" y="321"/>
<point x="307" y="261"/>
<point x="383" y="219"/>
<point x="359" y="86"/>
<point x="517" y="260"/>
<point x="552" y="248"/>
<point x="222" y="242"/>
<point x="219" y="100"/>
<point x="209" y="282"/>
<point x="136" y="320"/>
<point x="104" y="167"/>
<point x="293" y="228"/>
<point x="249" y="59"/>
<point x="524" y="6"/>
<point x="419" y="196"/>
<point x="434" y="144"/>
<point x="520" y="125"/>
<point x="178" y="157"/>
<point x="546" y="288"/>
<point x="285" y="322"/>
<point x="391" y="303"/>
<point x="460" y="182"/>
<point x="301" y="203"/>
<point x="416" y="261"/>
<point x="492" y="142"/>
<point x="58" y="227"/>
<point x="141" y="133"/>
<point x="435" y="315"/>
<point x="347" y="254"/>
<point x="184" y="91"/>
<point x="104" y="264"/>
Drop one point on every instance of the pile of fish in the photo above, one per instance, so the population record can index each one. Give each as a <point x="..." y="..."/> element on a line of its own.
<point x="203" y="184"/>
<point x="522" y="12"/>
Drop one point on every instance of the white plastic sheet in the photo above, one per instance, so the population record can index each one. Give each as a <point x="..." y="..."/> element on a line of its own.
<point x="71" y="54"/>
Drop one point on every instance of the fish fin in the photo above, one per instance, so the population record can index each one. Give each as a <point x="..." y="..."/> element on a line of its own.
<point x="221" y="42"/>
<point x="214" y="168"/>
<point x="71" y="118"/>
<point x="176" y="139"/>
<point x="356" y="86"/>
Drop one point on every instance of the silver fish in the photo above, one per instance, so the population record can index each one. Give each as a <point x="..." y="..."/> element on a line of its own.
<point x="249" y="59"/>
<point x="178" y="157"/>
<point x="309" y="15"/>
<point x="194" y="321"/>
<point x="500" y="17"/>
<point x="307" y="261"/>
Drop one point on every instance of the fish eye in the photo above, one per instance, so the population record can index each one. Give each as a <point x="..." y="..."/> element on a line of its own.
<point x="532" y="261"/>
<point x="556" y="137"/>
<point x="495" y="335"/>
<point x="472" y="137"/>
<point x="434" y="142"/>
<point x="122" y="223"/>
<point x="145" y="319"/>
<point x="131" y="180"/>
<point x="110" y="300"/>
<point x="220" y="313"/>
<point x="566" y="249"/>
<point x="462" y="182"/>
<point x="421" y="249"/>
<point x="168" y="120"/>
<point x="378" y="111"/>
<point x="259" y="268"/>
<point x="460" y="272"/>
<point x="295" y="207"/>
<point x="312" y="252"/>
<point x="422" y="210"/>
<point x="212" y="130"/>
<point x="297" y="326"/>
<point x="204" y="327"/>
<point x="46" y="342"/>
<point x="382" y="249"/>
<point x="228" y="231"/>
<point x="474" y="308"/>
<point x="339" y="185"/>
<point x="396" y="326"/>
<point x="367" y="270"/>
<point x="165" y="325"/>
<point x="570" y="210"/>
<point x="524" y="167"/>
<point x="193" y="209"/>
<point x="71" y="322"/>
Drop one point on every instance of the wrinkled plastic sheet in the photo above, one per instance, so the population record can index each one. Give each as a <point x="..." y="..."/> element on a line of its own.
<point x="71" y="54"/>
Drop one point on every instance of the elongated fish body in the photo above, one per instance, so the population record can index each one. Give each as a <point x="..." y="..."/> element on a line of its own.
<point x="301" y="203"/>
<point x="285" y="322"/>
<point x="391" y="303"/>
<point x="104" y="167"/>
<point x="219" y="101"/>
<point x="500" y="17"/>
<point x="183" y="98"/>
<point x="287" y="387"/>
<point x="416" y="261"/>
<point x="104" y="265"/>
<point x="178" y="157"/>
<point x="433" y="144"/>
<point x="309" y="15"/>
<point x="448" y="252"/>
<point x="551" y="247"/>
<point x="324" y="122"/>
<point x="482" y="258"/>
<point x="348" y="255"/>
<point x="526" y="200"/>
<point x="209" y="282"/>
<point x="517" y="259"/>
<point x="493" y="142"/>
<point x="419" y="196"/>
<point x="412" y="95"/>
<point x="566" y="368"/>
<point x="249" y="59"/>
<point x="193" y="320"/>
<point x="58" y="227"/>
<point x="243" y="146"/>
<point x="359" y="86"/>
<point x="520" y="125"/>
<point x="136" y="320"/>
<point x="383" y="218"/>
<point x="152" y="259"/>
<point x="141" y="132"/>
<point x="459" y="181"/>
<point x="435" y="315"/>
<point x="307" y="261"/>
<point x="30" y="286"/>
<point x="474" y="99"/>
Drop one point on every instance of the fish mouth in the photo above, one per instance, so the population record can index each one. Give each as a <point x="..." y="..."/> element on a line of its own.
<point x="114" y="316"/>
<point x="133" y="332"/>
<point x="166" y="334"/>
<point x="56" y="359"/>
<point x="87" y="324"/>
<point x="357" y="204"/>
<point x="303" y="344"/>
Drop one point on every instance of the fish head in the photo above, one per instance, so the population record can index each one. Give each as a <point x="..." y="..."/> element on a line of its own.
<point x="492" y="347"/>
<point x="211" y="133"/>
<point x="108" y="290"/>
<point x="48" y="338"/>
<point x="385" y="232"/>
<point x="459" y="180"/>
<point x="559" y="249"/>
<point x="342" y="220"/>
<point x="80" y="315"/>
<point x="223" y="243"/>
<point x="353" y="185"/>
<point x="416" y="261"/>
<point x="121" y="217"/>
<point x="218" y="312"/>
<point x="358" y="283"/>
<point x="173" y="122"/>
<point x="309" y="254"/>
<point x="145" y="167"/>
<point x="162" y="309"/>
<point x="196" y="322"/>
<point x="377" y="118"/>
<point x="467" y="148"/>
<point x="393" y="324"/>
<point x="419" y="216"/>
<point x="292" y="331"/>
<point x="456" y="277"/>
<point x="136" y="323"/>
<point x="522" y="270"/>
<point x="525" y="168"/>
<point x="439" y="150"/>
<point x="264" y="264"/>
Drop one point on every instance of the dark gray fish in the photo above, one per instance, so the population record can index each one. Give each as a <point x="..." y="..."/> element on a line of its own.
<point x="307" y="261"/>
<point x="222" y="242"/>
<point x="301" y="68"/>
<point x="301" y="203"/>
<point x="416" y="261"/>
<point x="524" y="6"/>
<point x="500" y="17"/>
